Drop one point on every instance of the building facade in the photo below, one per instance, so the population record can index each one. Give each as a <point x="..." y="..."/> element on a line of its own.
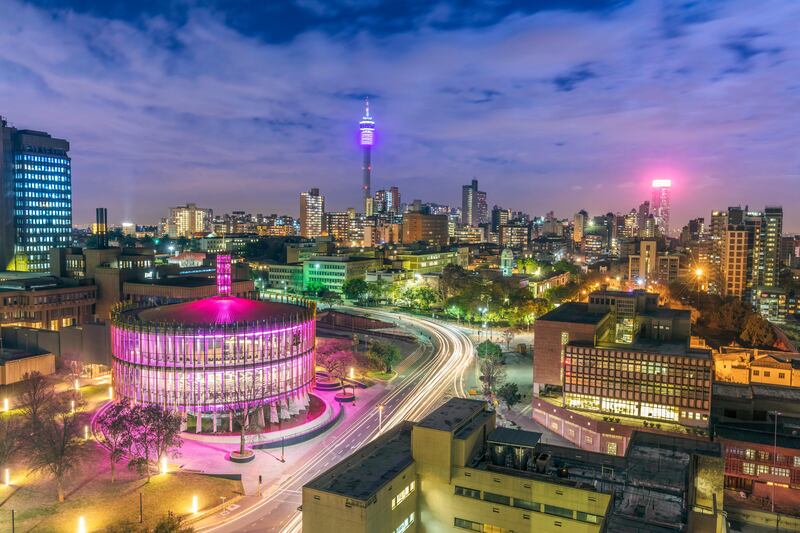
<point x="188" y="220"/>
<point x="36" y="205"/>
<point x="474" y="210"/>
<point x="312" y="214"/>
<point x="431" y="229"/>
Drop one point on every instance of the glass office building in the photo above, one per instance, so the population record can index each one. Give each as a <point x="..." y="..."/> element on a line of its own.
<point x="36" y="175"/>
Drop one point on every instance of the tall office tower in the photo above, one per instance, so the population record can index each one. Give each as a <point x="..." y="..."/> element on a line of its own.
<point x="736" y="250"/>
<point x="500" y="217"/>
<point x="367" y="127"/>
<point x="641" y="217"/>
<point x="186" y="220"/>
<point x="631" y="225"/>
<point x="393" y="200"/>
<point x="100" y="228"/>
<point x="772" y="226"/>
<point x="659" y="205"/>
<point x="312" y="213"/>
<point x="379" y="201"/>
<point x="474" y="210"/>
<point x="579" y="223"/>
<point x="36" y="202"/>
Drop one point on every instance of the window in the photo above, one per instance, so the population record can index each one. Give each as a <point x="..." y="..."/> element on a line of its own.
<point x="750" y="454"/>
<point x="496" y="498"/>
<point x="755" y="372"/>
<point x="558" y="511"/>
<point x="780" y="472"/>
<point x="397" y="500"/>
<point x="749" y="469"/>
<point x="763" y="456"/>
<point x="469" y="493"/>
<point x="766" y="373"/>
<point x="611" y="448"/>
<point x="781" y="375"/>
<point x="469" y="525"/>
<point x="762" y="469"/>
<point x="587" y="517"/>
<point x="526" y="504"/>
<point x="405" y="524"/>
<point x="797" y="460"/>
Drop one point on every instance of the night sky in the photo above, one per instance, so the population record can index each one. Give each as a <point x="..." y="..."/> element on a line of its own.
<point x="566" y="106"/>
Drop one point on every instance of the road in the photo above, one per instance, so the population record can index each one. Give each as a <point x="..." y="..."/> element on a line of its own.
<point x="423" y="386"/>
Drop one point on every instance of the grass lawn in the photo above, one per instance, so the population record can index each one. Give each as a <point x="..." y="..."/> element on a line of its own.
<point x="382" y="376"/>
<point x="91" y="494"/>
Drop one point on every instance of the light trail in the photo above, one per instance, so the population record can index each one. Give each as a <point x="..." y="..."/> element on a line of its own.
<point x="424" y="388"/>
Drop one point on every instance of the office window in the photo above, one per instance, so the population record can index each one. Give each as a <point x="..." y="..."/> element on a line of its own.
<point x="469" y="525"/>
<point x="496" y="498"/>
<point x="762" y="469"/>
<point x="469" y="493"/>
<point x="397" y="500"/>
<point x="749" y="469"/>
<point x="527" y="504"/>
<point x="587" y="517"/>
<point x="558" y="511"/>
<point x="405" y="524"/>
<point x="780" y="472"/>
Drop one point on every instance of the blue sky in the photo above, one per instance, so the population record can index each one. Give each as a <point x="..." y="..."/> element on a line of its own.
<point x="570" y="105"/>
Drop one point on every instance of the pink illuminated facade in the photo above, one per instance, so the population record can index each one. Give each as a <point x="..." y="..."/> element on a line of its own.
<point x="215" y="354"/>
<point x="224" y="275"/>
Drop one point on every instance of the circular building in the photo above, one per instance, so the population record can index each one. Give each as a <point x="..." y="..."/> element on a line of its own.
<point x="217" y="354"/>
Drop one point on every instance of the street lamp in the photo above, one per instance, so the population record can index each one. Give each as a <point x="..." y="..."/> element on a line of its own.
<point x="774" y="455"/>
<point x="81" y="525"/>
<point x="195" y="506"/>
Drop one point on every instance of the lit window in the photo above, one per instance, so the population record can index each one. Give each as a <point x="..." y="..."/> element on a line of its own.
<point x="397" y="500"/>
<point x="749" y="469"/>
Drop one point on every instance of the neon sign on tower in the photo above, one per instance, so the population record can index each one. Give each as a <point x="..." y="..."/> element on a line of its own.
<point x="367" y="127"/>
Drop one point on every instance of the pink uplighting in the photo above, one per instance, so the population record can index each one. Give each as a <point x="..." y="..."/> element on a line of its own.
<point x="200" y="356"/>
<point x="224" y="275"/>
<point x="662" y="183"/>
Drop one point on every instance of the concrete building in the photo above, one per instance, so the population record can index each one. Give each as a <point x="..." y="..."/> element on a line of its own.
<point x="35" y="198"/>
<point x="474" y="210"/>
<point x="331" y="272"/>
<point x="337" y="226"/>
<point x="312" y="214"/>
<point x="287" y="278"/>
<point x="188" y="220"/>
<point x="45" y="302"/>
<point x="455" y="470"/>
<point x="431" y="229"/>
<point x="579" y="222"/>
<point x="649" y="265"/>
<point x="515" y="236"/>
<point x="424" y="261"/>
<point x="660" y="204"/>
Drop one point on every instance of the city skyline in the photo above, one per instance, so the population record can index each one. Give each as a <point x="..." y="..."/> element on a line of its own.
<point x="542" y="107"/>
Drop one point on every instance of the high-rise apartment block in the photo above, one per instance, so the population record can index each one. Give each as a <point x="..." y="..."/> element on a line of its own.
<point x="187" y="220"/>
<point x="432" y="229"/>
<point x="474" y="210"/>
<point x="36" y="204"/>
<point x="579" y="222"/>
<point x="750" y="251"/>
<point x="312" y="213"/>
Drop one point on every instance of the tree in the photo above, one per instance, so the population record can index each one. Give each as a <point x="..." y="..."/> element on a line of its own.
<point x="329" y="298"/>
<point x="492" y="374"/>
<point x="55" y="445"/>
<point x="10" y="441"/>
<point x="758" y="332"/>
<point x="335" y="357"/>
<point x="385" y="353"/>
<point x="489" y="349"/>
<point x="114" y="429"/>
<point x="315" y="287"/>
<point x="171" y="524"/>
<point x="378" y="290"/>
<point x="37" y="396"/>
<point x="509" y="393"/>
<point x="355" y="289"/>
<point x="154" y="432"/>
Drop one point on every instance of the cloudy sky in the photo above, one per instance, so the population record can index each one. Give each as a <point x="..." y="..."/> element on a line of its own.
<point x="567" y="105"/>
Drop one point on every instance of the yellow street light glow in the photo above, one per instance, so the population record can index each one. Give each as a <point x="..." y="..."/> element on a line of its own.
<point x="5" y="404"/>
<point x="7" y="477"/>
<point x="85" y="432"/>
<point x="111" y="393"/>
<point x="698" y="272"/>
<point x="72" y="406"/>
<point x="195" y="506"/>
<point x="352" y="372"/>
<point x="81" y="525"/>
<point x="163" y="465"/>
<point x="76" y="384"/>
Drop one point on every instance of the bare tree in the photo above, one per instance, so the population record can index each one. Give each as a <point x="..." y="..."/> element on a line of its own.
<point x="10" y="440"/>
<point x="493" y="374"/>
<point x="336" y="358"/>
<point x="508" y="336"/>
<point x="55" y="445"/>
<point x="153" y="433"/>
<point x="114" y="425"/>
<point x="37" y="395"/>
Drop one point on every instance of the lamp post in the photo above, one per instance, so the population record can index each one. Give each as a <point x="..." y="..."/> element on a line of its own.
<point x="698" y="272"/>
<point x="774" y="454"/>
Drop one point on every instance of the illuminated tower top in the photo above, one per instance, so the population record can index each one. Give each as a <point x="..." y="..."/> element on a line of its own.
<point x="659" y="205"/>
<point x="367" y="126"/>
<point x="224" y="275"/>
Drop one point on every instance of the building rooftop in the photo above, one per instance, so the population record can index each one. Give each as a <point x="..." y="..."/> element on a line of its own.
<point x="759" y="433"/>
<point x="654" y="346"/>
<point x="514" y="437"/>
<point x="576" y="312"/>
<point x="453" y="414"/>
<point x="219" y="310"/>
<point x="368" y="469"/>
<point x="14" y="354"/>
